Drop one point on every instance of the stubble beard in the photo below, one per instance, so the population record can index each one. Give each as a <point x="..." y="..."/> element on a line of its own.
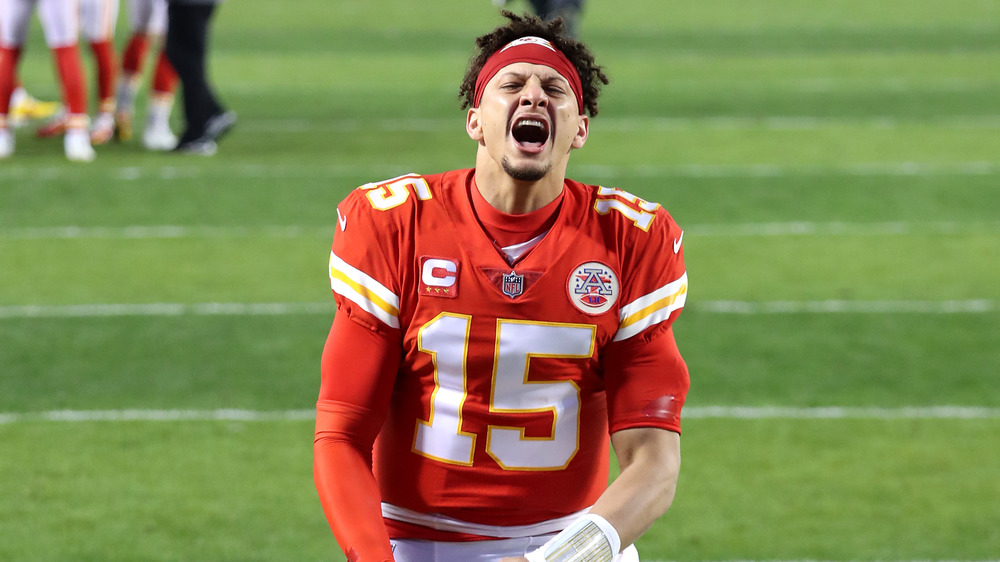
<point x="527" y="172"/>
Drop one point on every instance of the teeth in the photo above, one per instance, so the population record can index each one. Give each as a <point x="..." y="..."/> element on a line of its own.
<point x="530" y="130"/>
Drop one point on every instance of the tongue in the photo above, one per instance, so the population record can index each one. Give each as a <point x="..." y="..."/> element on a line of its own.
<point x="531" y="146"/>
<point x="530" y="137"/>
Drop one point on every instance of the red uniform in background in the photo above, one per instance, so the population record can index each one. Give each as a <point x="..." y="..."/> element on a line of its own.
<point x="508" y="375"/>
<point x="60" y="24"/>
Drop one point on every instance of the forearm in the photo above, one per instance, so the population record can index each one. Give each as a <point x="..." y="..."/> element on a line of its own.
<point x="645" y="488"/>
<point x="650" y="462"/>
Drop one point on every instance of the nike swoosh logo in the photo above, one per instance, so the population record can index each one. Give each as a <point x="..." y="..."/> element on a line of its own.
<point x="677" y="243"/>
<point x="343" y="222"/>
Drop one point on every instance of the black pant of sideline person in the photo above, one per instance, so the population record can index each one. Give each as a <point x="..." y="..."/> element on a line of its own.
<point x="188" y="33"/>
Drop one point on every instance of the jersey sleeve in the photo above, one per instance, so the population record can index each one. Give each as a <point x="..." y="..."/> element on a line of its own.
<point x="647" y="383"/>
<point x="353" y="402"/>
<point x="645" y="375"/>
<point x="356" y="387"/>
<point x="655" y="278"/>
<point x="364" y="264"/>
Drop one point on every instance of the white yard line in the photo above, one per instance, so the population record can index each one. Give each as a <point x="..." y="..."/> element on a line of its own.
<point x="635" y="124"/>
<point x="158" y="415"/>
<point x="734" y="230"/>
<point x="971" y="306"/>
<point x="862" y="169"/>
<point x="838" y="412"/>
<point x="691" y="412"/>
<point x="167" y="309"/>
<point x="143" y="232"/>
<point x="581" y="171"/>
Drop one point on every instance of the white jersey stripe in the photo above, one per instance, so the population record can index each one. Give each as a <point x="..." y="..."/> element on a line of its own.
<point x="356" y="286"/>
<point x="652" y="308"/>
<point x="444" y="523"/>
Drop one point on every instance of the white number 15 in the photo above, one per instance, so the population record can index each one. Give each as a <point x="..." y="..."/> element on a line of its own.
<point x="440" y="437"/>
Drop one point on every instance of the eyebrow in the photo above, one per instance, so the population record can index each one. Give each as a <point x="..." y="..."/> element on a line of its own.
<point x="553" y="76"/>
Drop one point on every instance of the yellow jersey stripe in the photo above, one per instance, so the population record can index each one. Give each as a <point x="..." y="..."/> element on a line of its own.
<point x="361" y="289"/>
<point x="652" y="309"/>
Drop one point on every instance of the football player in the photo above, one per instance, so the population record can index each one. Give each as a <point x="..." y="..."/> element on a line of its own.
<point x="97" y="22"/>
<point x="497" y="330"/>
<point x="24" y="107"/>
<point x="60" y="24"/>
<point x="98" y="19"/>
<point x="148" y="19"/>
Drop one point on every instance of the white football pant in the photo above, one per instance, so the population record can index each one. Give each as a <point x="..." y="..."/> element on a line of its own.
<point x="409" y="550"/>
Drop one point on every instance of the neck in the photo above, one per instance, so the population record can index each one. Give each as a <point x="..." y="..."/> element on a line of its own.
<point x="515" y="197"/>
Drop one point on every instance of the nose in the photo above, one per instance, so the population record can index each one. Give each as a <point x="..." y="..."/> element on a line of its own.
<point x="533" y="94"/>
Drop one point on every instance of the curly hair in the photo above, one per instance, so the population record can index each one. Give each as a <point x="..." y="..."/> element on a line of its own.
<point x="591" y="75"/>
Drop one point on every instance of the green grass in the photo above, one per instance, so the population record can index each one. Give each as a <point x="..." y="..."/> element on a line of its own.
<point x="161" y="491"/>
<point x="833" y="153"/>
<point x="783" y="490"/>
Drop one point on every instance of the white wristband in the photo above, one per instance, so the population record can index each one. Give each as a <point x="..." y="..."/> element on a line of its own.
<point x="590" y="537"/>
<point x="535" y="556"/>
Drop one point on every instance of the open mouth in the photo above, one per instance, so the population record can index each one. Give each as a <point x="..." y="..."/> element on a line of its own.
<point x="530" y="133"/>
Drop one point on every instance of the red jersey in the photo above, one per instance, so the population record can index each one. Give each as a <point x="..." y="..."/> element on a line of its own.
<point x="502" y="405"/>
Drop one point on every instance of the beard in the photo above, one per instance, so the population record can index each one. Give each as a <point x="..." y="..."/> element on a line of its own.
<point x="527" y="172"/>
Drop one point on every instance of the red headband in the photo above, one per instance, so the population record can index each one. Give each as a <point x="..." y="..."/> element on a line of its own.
<point x="536" y="51"/>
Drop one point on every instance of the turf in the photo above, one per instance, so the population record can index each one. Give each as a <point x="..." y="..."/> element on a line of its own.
<point x="835" y="166"/>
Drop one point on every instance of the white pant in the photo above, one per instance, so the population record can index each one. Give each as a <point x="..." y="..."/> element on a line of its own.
<point x="97" y="19"/>
<point x="148" y="16"/>
<point x="60" y="21"/>
<point x="410" y="550"/>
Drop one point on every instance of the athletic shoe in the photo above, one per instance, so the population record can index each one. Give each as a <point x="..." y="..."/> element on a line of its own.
<point x="218" y="125"/>
<point x="53" y="127"/>
<point x="123" y="126"/>
<point x="200" y="147"/>
<point x="158" y="137"/>
<point x="205" y="145"/>
<point x="6" y="143"/>
<point x="77" y="146"/>
<point x="103" y="129"/>
<point x="27" y="108"/>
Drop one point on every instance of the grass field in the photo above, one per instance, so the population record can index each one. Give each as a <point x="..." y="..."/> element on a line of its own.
<point x="836" y="167"/>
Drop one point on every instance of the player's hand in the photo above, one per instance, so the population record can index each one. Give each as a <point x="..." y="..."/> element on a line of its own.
<point x="514" y="559"/>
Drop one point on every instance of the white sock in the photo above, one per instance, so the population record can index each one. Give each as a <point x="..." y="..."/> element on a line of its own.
<point x="18" y="95"/>
<point x="127" y="89"/>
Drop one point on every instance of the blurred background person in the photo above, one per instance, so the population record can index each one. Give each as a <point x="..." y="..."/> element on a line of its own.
<point x="97" y="23"/>
<point x="148" y="25"/>
<point x="568" y="10"/>
<point x="24" y="107"/>
<point x="60" y="25"/>
<point x="98" y="19"/>
<point x="188" y="38"/>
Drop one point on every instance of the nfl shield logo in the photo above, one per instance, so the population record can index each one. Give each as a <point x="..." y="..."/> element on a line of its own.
<point x="513" y="284"/>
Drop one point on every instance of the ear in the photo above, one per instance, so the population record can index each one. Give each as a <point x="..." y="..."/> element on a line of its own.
<point x="473" y="126"/>
<point x="582" y="132"/>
